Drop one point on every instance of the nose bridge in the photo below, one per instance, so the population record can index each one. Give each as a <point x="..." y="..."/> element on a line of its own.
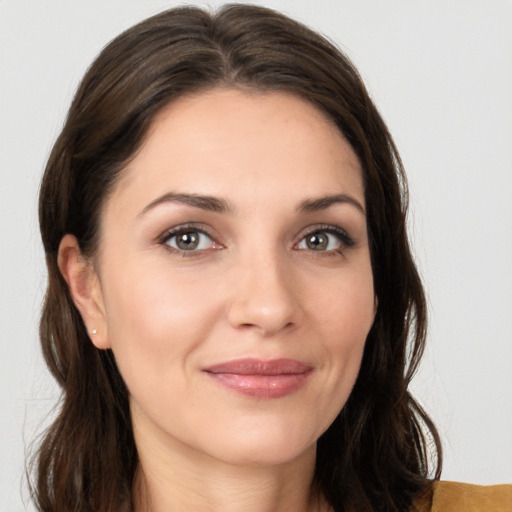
<point x="265" y="295"/>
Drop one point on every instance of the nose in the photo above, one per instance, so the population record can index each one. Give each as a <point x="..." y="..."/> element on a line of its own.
<point x="265" y="296"/>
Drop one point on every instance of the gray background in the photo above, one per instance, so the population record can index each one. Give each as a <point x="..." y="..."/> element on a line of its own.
<point x="441" y="73"/>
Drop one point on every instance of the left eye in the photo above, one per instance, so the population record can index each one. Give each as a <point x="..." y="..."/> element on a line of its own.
<point x="320" y="241"/>
<point x="190" y="240"/>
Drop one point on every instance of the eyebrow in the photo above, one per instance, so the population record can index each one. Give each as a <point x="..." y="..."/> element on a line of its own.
<point x="322" y="203"/>
<point x="208" y="203"/>
<point x="217" y="205"/>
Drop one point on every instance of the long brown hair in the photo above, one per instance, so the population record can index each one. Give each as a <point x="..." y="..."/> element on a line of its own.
<point x="378" y="452"/>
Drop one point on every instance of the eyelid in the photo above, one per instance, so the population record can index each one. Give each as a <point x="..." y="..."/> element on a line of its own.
<point x="345" y="239"/>
<point x="188" y="226"/>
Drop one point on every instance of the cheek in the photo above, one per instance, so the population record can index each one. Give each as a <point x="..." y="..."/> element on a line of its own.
<point x="346" y="311"/>
<point x="344" y="318"/>
<point x="154" y="322"/>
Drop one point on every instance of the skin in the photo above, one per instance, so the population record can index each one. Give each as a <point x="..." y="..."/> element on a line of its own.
<point x="256" y="286"/>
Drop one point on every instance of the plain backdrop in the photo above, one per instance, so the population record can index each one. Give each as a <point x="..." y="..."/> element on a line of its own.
<point x="440" y="72"/>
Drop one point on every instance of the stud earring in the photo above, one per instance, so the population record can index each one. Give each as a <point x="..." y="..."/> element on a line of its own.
<point x="93" y="331"/>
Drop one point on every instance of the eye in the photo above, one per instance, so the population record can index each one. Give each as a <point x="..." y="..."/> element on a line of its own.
<point x="188" y="240"/>
<point x="326" y="240"/>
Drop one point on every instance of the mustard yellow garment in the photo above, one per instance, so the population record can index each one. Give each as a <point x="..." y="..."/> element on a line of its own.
<point x="457" y="497"/>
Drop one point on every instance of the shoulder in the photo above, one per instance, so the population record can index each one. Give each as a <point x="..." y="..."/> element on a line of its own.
<point x="458" y="497"/>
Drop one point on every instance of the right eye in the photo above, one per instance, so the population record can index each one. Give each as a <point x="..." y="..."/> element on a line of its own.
<point x="188" y="240"/>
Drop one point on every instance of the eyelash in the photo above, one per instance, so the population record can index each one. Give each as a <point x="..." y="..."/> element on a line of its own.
<point x="192" y="228"/>
<point x="346" y="241"/>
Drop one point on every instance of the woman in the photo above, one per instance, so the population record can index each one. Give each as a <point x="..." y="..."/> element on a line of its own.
<point x="223" y="345"/>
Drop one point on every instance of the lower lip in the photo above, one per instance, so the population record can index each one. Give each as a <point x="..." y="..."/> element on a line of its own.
<point x="262" y="386"/>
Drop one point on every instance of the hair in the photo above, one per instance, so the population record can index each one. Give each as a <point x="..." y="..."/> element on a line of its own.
<point x="382" y="450"/>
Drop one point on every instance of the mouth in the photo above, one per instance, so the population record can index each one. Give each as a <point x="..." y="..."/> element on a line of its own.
<point x="264" y="379"/>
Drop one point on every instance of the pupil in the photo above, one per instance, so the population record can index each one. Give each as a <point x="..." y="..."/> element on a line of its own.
<point x="187" y="241"/>
<point x="317" y="242"/>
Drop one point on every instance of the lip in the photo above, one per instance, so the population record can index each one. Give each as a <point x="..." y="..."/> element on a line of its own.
<point x="260" y="378"/>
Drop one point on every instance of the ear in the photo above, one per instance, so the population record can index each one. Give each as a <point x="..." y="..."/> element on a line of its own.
<point x="85" y="290"/>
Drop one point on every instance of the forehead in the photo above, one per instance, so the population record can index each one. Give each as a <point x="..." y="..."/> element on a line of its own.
<point x="233" y="142"/>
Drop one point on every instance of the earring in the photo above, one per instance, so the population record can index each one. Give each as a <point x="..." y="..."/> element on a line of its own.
<point x="93" y="331"/>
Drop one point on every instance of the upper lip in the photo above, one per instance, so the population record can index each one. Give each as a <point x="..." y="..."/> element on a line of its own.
<point x="253" y="366"/>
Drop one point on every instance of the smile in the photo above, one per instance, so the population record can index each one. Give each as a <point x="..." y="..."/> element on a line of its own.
<point x="261" y="379"/>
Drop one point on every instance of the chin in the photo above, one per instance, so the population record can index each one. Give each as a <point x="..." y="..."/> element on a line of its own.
<point x="263" y="446"/>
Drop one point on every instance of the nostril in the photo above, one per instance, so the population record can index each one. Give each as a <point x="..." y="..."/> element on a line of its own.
<point x="264" y="297"/>
<point x="266" y="321"/>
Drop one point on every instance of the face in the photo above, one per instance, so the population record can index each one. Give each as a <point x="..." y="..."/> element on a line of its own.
<point x="234" y="277"/>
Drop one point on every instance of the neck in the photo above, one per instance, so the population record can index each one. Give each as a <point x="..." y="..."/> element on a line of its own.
<point x="181" y="480"/>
